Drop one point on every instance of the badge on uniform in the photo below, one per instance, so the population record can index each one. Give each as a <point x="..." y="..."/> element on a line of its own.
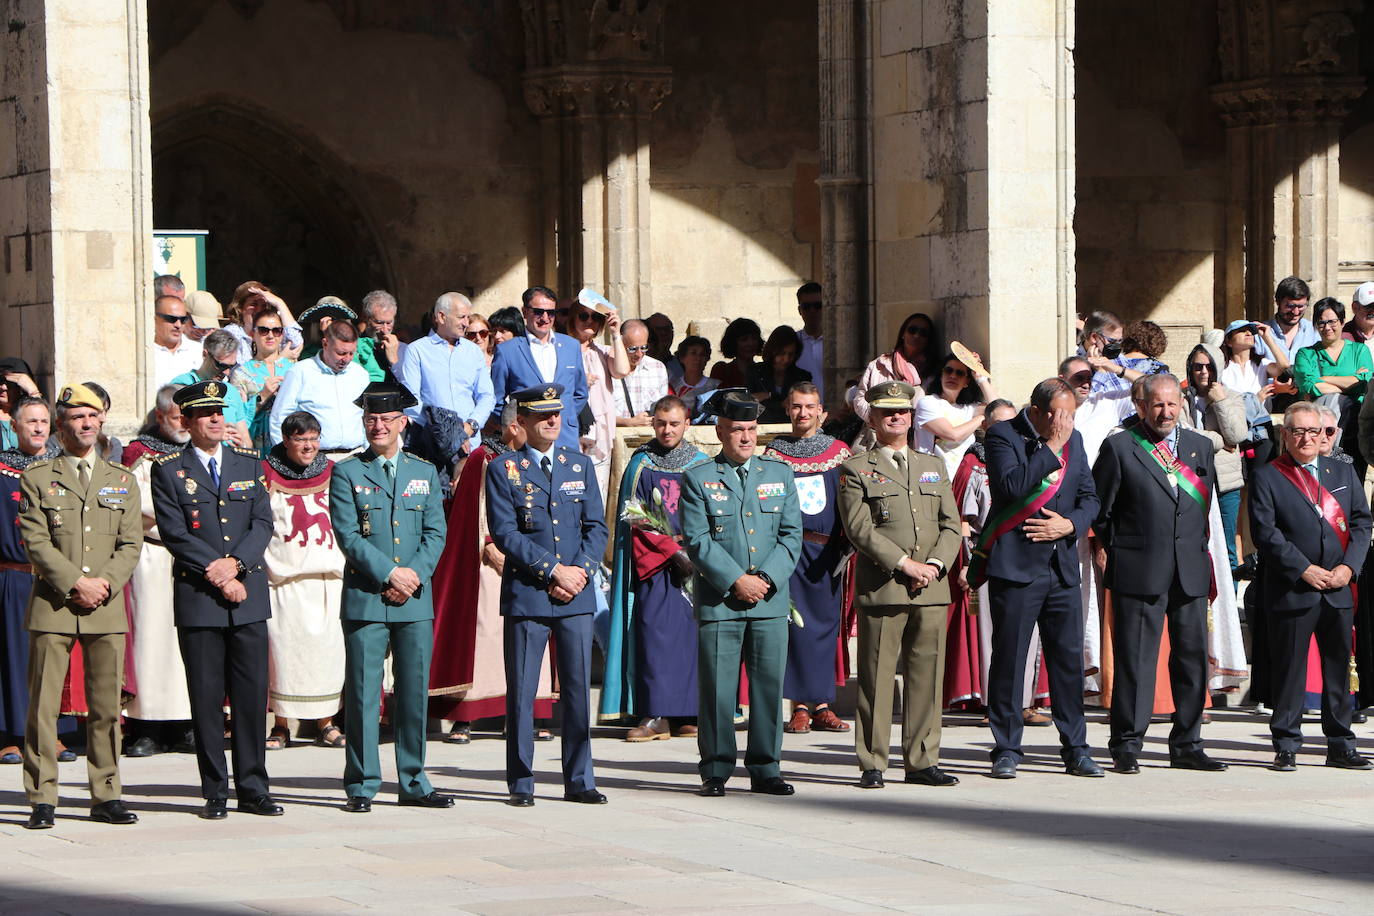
<point x="769" y="490"/>
<point x="713" y="484"/>
<point x="511" y="473"/>
<point x="562" y="459"/>
<point x="191" y="487"/>
<point x="572" y="487"/>
<point x="113" y="491"/>
<point x="241" y="485"/>
<point x="365" y="524"/>
<point x="719" y="497"/>
<point x="929" y="477"/>
<point x="524" y="462"/>
<point x="417" y="488"/>
<point x="195" y="518"/>
<point x="181" y="472"/>
<point x="577" y="468"/>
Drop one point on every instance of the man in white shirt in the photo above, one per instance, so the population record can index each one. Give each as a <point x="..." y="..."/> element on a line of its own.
<point x="173" y="352"/>
<point x="636" y="393"/>
<point x="327" y="385"/>
<point x="812" y="355"/>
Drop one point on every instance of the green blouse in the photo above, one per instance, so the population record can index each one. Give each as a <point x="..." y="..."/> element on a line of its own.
<point x="1314" y="362"/>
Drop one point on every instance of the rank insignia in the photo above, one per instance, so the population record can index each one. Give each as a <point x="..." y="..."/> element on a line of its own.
<point x="562" y="459"/>
<point x="524" y="462"/>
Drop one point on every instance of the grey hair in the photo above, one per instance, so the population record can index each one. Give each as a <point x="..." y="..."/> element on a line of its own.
<point x="377" y="299"/>
<point x="1097" y="322"/>
<point x="220" y="342"/>
<point x="164" y="397"/>
<point x="1145" y="386"/>
<point x="1326" y="411"/>
<point x="508" y="413"/>
<point x="168" y="285"/>
<point x="1299" y="407"/>
<point x="447" y="301"/>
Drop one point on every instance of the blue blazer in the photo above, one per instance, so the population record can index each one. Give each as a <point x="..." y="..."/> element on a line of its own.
<point x="1017" y="461"/>
<point x="539" y="523"/>
<point x="513" y="369"/>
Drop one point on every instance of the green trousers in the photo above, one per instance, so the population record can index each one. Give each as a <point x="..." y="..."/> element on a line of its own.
<point x="365" y="646"/>
<point x="915" y="635"/>
<point x="762" y="646"/>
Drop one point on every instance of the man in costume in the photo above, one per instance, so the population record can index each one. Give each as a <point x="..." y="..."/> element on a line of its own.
<point x="547" y="518"/>
<point x="387" y="509"/>
<point x="1311" y="525"/>
<point x="817" y="652"/>
<point x="213" y="515"/>
<point x="651" y="667"/>
<point x="1154" y="482"/>
<point x="159" y="715"/>
<point x="743" y="527"/>
<point x="79" y="520"/>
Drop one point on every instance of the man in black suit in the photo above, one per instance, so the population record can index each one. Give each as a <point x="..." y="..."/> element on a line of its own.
<point x="1155" y="483"/>
<point x="1311" y="525"/>
<point x="1043" y="501"/>
<point x="215" y="519"/>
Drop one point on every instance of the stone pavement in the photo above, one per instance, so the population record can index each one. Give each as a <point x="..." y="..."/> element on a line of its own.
<point x="1246" y="841"/>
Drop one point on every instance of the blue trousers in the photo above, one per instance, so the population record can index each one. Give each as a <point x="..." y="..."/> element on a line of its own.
<point x="525" y="641"/>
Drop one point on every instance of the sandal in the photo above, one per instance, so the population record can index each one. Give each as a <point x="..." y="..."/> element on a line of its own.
<point x="330" y="736"/>
<point x="460" y="733"/>
<point x="543" y="734"/>
<point x="278" y="738"/>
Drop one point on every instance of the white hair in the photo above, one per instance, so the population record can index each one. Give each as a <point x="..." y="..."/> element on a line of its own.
<point x="447" y="301"/>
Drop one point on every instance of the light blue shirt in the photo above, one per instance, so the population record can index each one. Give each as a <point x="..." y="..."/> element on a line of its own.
<point x="454" y="377"/>
<point x="1306" y="337"/>
<point x="235" y="408"/>
<point x="327" y="395"/>
<point x="540" y="456"/>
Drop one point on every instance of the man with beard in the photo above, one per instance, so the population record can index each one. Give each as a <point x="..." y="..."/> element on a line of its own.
<point x="159" y="716"/>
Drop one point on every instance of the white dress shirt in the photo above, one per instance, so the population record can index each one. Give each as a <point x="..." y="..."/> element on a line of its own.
<point x="545" y="356"/>
<point x="168" y="363"/>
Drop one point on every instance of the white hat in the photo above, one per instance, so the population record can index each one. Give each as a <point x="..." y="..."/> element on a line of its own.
<point x="1364" y="293"/>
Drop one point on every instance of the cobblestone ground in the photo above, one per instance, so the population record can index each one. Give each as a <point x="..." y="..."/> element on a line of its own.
<point x="1245" y="841"/>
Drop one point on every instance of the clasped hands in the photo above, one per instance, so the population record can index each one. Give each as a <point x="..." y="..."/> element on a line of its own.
<point x="90" y="593"/>
<point x="918" y="575"/>
<point x="403" y="583"/>
<point x="750" y="589"/>
<point x="223" y="574"/>
<point x="565" y="582"/>
<point x="1326" y="579"/>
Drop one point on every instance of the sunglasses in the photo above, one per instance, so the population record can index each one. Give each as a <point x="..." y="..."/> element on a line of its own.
<point x="918" y="330"/>
<point x="269" y="330"/>
<point x="1080" y="378"/>
<point x="478" y="334"/>
<point x="644" y="349"/>
<point x="1197" y="367"/>
<point x="224" y="367"/>
<point x="541" y="313"/>
<point x="955" y="371"/>
<point x="174" y="319"/>
<point x="589" y="316"/>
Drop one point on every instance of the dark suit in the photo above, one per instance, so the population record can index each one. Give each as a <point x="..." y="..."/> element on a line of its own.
<point x="1290" y="535"/>
<point x="1032" y="583"/>
<point x="513" y="368"/>
<point x="224" y="645"/>
<point x="539" y="521"/>
<point x="1158" y="568"/>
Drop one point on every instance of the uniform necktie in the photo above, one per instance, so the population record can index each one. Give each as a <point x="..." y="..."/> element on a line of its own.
<point x="743" y="472"/>
<point x="214" y="473"/>
<point x="899" y="459"/>
<point x="389" y="468"/>
<point x="546" y="466"/>
<point x="83" y="468"/>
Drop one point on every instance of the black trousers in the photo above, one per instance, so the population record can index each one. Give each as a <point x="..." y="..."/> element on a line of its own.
<point x="232" y="662"/>
<point x="1016" y="609"/>
<point x="1290" y="633"/>
<point x="1138" y="621"/>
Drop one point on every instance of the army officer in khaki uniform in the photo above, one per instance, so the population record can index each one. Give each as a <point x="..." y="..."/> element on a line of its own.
<point x="81" y="521"/>
<point x="898" y="510"/>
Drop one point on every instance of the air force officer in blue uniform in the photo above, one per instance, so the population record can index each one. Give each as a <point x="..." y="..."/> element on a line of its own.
<point x="546" y="514"/>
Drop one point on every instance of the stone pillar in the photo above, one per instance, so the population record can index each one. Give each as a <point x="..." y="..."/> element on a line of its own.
<point x="75" y="197"/>
<point x="1290" y="68"/>
<point x="594" y="77"/>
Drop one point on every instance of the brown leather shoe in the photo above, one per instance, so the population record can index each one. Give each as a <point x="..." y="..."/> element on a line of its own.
<point x="1033" y="718"/>
<point x="649" y="730"/>
<point x="825" y="720"/>
<point x="685" y="731"/>
<point x="800" y="723"/>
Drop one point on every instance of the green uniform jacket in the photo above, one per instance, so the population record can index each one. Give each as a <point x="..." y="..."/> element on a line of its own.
<point x="70" y="535"/>
<point x="381" y="526"/>
<point x="887" y="518"/>
<point x="733" y="527"/>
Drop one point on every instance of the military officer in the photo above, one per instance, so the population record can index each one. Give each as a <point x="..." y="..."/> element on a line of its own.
<point x="899" y="512"/>
<point x="215" y="519"/>
<point x="79" y="517"/>
<point x="545" y="513"/>
<point x="386" y="506"/>
<point x="743" y="527"/>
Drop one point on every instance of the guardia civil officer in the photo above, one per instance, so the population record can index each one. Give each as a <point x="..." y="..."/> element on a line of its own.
<point x="215" y="519"/>
<point x="386" y="506"/>
<point x="80" y="519"/>
<point x="545" y="513"/>
<point x="743" y="527"/>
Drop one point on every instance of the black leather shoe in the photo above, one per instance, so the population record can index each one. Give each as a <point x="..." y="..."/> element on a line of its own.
<point x="187" y="744"/>
<point x="1004" y="767"/>
<point x="1084" y="766"/>
<point x="216" y="809"/>
<point x="1348" y="760"/>
<point x="113" y="812"/>
<point x="262" y="805"/>
<point x="1284" y="762"/>
<point x="41" y="818"/>
<point x="358" y="804"/>
<point x="143" y="747"/>
<point x="585" y="797"/>
<point x="714" y="787"/>
<point x="773" y="785"/>
<point x="1358" y="717"/>
<point x="871" y="779"/>
<point x="520" y="800"/>
<point x="1125" y="764"/>
<point x="432" y="800"/>
<point x="931" y="776"/>
<point x="1196" y="760"/>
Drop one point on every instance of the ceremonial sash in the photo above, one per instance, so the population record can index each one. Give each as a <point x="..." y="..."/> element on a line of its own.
<point x="1321" y="498"/>
<point x="1185" y="477"/>
<point x="1012" y="515"/>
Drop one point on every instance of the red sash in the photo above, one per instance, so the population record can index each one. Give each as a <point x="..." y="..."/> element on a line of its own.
<point x="1326" y="505"/>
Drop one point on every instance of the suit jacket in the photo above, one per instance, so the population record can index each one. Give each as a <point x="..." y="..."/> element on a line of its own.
<point x="1017" y="460"/>
<point x="200" y="524"/>
<point x="889" y="515"/>
<point x="513" y="368"/>
<point x="1290" y="535"/>
<point x="1153" y="535"/>
<point x="732" y="527"/>
<point x="380" y="525"/>
<point x="541" y="521"/>
<point x="70" y="534"/>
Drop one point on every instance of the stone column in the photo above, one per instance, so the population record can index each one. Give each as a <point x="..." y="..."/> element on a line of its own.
<point x="75" y="197"/>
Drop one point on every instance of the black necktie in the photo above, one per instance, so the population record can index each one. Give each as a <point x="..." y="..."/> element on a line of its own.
<point x="743" y="472"/>
<point x="546" y="466"/>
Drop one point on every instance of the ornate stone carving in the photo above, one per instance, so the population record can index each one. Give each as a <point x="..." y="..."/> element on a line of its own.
<point x="626" y="30"/>
<point x="1321" y="36"/>
<point x="1287" y="100"/>
<point x="593" y="91"/>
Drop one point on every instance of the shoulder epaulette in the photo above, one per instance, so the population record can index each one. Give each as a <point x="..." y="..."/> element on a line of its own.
<point x="413" y="457"/>
<point x="347" y="458"/>
<point x="246" y="452"/>
<point x="163" y="459"/>
<point x="39" y="464"/>
<point x="8" y="471"/>
<point x="117" y="466"/>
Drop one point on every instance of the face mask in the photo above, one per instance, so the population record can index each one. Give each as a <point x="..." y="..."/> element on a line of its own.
<point x="1112" y="350"/>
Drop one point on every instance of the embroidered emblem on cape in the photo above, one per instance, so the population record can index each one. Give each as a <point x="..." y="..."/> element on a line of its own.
<point x="811" y="494"/>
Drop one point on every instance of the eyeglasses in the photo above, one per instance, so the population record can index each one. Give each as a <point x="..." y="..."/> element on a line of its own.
<point x="1199" y="367"/>
<point x="541" y="313"/>
<point x="479" y="334"/>
<point x="375" y="419"/>
<point x="1305" y="432"/>
<point x="270" y="331"/>
<point x="643" y="349"/>
<point x="174" y="319"/>
<point x="917" y="329"/>
<point x="304" y="440"/>
<point x="955" y="371"/>
<point x="1329" y="323"/>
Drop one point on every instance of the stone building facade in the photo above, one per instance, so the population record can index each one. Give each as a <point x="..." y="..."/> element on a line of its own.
<point x="999" y="164"/>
